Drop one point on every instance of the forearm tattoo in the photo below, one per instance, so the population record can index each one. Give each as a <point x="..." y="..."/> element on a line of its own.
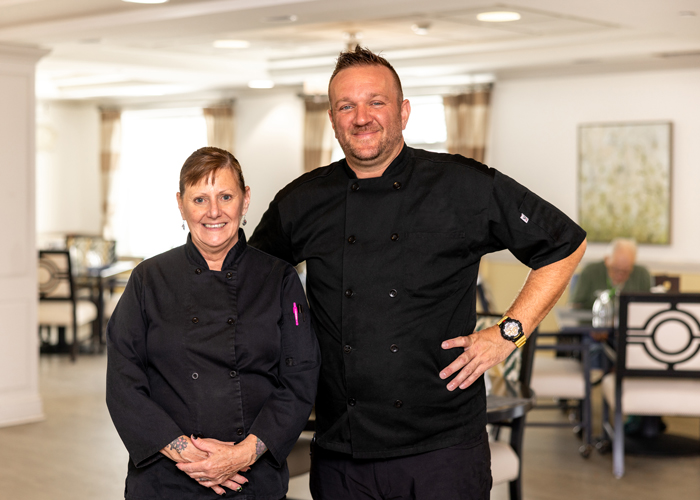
<point x="179" y="444"/>
<point x="260" y="448"/>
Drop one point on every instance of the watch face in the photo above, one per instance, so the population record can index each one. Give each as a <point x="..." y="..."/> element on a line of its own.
<point x="510" y="328"/>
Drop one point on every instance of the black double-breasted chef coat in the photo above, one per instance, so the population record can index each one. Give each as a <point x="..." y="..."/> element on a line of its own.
<point x="216" y="354"/>
<point x="392" y="264"/>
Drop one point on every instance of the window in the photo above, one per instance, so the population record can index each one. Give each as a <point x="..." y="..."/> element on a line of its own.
<point x="155" y="144"/>
<point x="426" y="127"/>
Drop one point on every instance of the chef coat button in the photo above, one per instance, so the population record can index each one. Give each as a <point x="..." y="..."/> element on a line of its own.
<point x="198" y="271"/>
<point x="233" y="373"/>
<point x="195" y="320"/>
<point x="195" y="375"/>
<point x="351" y="239"/>
<point x="393" y="293"/>
<point x="398" y="403"/>
<point x="355" y="187"/>
<point x="349" y="293"/>
<point x="347" y="349"/>
<point x="230" y="321"/>
<point x="394" y="348"/>
<point x="351" y="401"/>
<point x="229" y="275"/>
<point x="239" y="431"/>
<point x="397" y="185"/>
<point x="394" y="237"/>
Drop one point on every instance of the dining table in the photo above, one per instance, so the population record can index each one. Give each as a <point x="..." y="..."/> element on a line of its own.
<point x="97" y="280"/>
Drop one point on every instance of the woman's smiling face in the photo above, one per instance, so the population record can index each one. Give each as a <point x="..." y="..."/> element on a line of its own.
<point x="213" y="209"/>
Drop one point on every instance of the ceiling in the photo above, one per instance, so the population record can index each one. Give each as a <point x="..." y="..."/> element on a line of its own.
<point x="112" y="51"/>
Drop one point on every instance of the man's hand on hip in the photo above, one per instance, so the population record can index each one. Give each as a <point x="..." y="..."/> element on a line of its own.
<point x="482" y="350"/>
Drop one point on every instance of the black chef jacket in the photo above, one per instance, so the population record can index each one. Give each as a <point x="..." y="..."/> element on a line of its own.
<point x="392" y="265"/>
<point x="217" y="354"/>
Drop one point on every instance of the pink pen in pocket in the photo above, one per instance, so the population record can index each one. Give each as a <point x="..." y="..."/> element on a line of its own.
<point x="296" y="314"/>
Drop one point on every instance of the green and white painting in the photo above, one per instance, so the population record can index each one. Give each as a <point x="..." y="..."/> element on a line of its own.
<point x="625" y="181"/>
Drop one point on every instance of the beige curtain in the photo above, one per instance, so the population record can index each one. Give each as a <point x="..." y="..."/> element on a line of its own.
<point x="466" y="116"/>
<point x="318" y="134"/>
<point x="110" y="152"/>
<point x="220" y="126"/>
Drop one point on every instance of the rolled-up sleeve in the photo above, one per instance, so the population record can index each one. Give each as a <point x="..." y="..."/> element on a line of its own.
<point x="287" y="409"/>
<point x="143" y="425"/>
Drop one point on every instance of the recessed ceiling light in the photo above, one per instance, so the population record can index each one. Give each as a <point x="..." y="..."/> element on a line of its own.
<point x="145" y="1"/>
<point x="261" y="84"/>
<point x="421" y="28"/>
<point x="290" y="18"/>
<point x="498" y="16"/>
<point x="352" y="35"/>
<point x="231" y="44"/>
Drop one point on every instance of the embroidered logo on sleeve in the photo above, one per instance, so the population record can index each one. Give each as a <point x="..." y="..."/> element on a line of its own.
<point x="524" y="218"/>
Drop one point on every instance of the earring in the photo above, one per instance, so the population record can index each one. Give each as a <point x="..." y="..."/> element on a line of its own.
<point x="244" y="222"/>
<point x="183" y="225"/>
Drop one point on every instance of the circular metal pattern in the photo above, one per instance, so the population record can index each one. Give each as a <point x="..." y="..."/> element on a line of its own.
<point x="349" y="293"/>
<point x="351" y="239"/>
<point x="48" y="276"/>
<point x="198" y="271"/>
<point x="195" y="320"/>
<point x="347" y="349"/>
<point x="394" y="348"/>
<point x="355" y="187"/>
<point x="393" y="293"/>
<point x="397" y="185"/>
<point x="230" y="321"/>
<point x="195" y="375"/>
<point x="352" y="402"/>
<point x="394" y="237"/>
<point x="672" y="336"/>
<point x="229" y="275"/>
<point x="233" y="373"/>
<point x="398" y="403"/>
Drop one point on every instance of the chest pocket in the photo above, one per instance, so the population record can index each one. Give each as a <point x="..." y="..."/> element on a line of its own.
<point x="433" y="261"/>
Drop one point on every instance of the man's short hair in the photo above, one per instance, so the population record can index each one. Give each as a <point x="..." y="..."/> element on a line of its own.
<point x="363" y="57"/>
<point x="617" y="244"/>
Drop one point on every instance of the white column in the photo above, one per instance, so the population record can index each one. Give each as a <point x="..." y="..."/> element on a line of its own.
<point x="19" y="353"/>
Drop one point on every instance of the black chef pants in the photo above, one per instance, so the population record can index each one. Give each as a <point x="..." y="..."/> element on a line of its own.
<point x="460" y="472"/>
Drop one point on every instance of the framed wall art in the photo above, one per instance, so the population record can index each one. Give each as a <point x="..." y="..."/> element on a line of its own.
<point x="624" y="179"/>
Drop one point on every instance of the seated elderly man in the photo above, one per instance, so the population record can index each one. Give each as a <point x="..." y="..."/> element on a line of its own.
<point x="618" y="270"/>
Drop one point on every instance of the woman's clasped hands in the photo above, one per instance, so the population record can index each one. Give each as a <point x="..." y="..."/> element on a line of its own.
<point x="213" y="463"/>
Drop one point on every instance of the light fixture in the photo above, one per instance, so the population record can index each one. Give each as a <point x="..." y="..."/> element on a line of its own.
<point x="289" y="18"/>
<point x="144" y="1"/>
<point x="499" y="16"/>
<point x="421" y="28"/>
<point x="231" y="44"/>
<point x="261" y="84"/>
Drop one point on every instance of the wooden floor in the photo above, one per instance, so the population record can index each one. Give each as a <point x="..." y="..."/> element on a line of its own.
<point x="75" y="453"/>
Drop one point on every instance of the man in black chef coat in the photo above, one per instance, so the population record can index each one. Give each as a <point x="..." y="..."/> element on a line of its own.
<point x="392" y="237"/>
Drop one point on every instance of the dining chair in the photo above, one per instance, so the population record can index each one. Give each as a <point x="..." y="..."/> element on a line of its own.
<point x="506" y="455"/>
<point x="58" y="305"/>
<point x="566" y="382"/>
<point x="657" y="364"/>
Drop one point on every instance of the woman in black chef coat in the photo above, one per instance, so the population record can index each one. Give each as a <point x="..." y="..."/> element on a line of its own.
<point x="212" y="361"/>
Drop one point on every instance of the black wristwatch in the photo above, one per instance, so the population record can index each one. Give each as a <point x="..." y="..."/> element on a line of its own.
<point x="512" y="329"/>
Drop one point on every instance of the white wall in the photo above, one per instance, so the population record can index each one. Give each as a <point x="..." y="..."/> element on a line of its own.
<point x="19" y="353"/>
<point x="269" y="146"/>
<point x="68" y="168"/>
<point x="534" y="139"/>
